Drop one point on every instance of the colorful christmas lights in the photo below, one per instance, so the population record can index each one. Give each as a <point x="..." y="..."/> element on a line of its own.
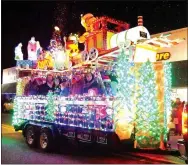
<point x="50" y="109"/>
<point x="70" y="111"/>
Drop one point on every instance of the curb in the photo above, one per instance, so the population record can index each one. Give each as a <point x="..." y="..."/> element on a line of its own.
<point x="160" y="160"/>
<point x="158" y="151"/>
<point x="7" y="126"/>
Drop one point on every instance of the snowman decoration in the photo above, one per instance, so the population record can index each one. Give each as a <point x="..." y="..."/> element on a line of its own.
<point x="18" y="52"/>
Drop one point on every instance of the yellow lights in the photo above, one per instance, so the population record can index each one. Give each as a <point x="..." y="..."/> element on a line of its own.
<point x="184" y="123"/>
<point x="56" y="28"/>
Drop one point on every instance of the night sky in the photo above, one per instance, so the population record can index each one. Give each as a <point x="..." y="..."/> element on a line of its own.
<point x="22" y="20"/>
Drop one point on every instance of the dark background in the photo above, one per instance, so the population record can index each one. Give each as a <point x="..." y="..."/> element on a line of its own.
<point x="22" y="20"/>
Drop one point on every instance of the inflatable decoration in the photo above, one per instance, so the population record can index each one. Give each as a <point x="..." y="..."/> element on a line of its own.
<point x="71" y="49"/>
<point x="61" y="60"/>
<point x="71" y="45"/>
<point x="18" y="52"/>
<point x="32" y="49"/>
<point x="87" y="22"/>
<point x="45" y="61"/>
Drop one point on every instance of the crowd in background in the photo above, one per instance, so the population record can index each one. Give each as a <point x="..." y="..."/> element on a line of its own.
<point x="177" y="109"/>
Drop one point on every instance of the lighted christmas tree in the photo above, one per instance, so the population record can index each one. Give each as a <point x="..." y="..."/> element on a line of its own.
<point x="57" y="36"/>
<point x="56" y="41"/>
<point x="50" y="108"/>
<point x="147" y="113"/>
<point x="167" y="96"/>
<point x="126" y="79"/>
<point x="124" y="105"/>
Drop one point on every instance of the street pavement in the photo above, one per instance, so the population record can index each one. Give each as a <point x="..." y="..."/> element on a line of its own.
<point x="14" y="150"/>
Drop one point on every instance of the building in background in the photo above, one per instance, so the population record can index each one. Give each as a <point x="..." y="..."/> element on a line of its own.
<point x="9" y="75"/>
<point x="177" y="55"/>
<point x="8" y="88"/>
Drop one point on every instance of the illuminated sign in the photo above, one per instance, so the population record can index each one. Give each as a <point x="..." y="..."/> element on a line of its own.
<point x="162" y="56"/>
<point x="143" y="34"/>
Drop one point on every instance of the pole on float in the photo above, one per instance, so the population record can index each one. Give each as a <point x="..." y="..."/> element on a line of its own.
<point x="140" y="20"/>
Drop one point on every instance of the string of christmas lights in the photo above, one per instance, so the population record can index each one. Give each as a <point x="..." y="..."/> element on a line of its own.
<point x="147" y="113"/>
<point x="167" y="97"/>
<point x="61" y="111"/>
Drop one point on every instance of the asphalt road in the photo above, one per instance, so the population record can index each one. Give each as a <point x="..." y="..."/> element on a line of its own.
<point x="14" y="150"/>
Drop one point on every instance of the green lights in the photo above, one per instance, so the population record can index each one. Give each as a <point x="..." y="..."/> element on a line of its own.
<point x="50" y="107"/>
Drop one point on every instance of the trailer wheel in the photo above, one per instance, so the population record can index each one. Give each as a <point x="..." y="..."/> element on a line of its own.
<point x="30" y="136"/>
<point x="115" y="143"/>
<point x="46" y="140"/>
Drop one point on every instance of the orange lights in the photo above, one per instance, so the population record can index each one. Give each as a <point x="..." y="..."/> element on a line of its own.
<point x="185" y="120"/>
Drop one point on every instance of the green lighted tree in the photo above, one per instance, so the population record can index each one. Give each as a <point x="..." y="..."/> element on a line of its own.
<point x="126" y="80"/>
<point x="147" y="113"/>
<point x="50" y="109"/>
<point x="124" y="104"/>
<point x="57" y="36"/>
<point x="167" y="96"/>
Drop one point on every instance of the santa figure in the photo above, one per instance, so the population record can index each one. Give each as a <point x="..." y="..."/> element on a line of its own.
<point x="32" y="49"/>
<point x="18" y="52"/>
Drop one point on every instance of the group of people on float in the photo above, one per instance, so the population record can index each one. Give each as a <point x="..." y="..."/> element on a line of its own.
<point x="78" y="85"/>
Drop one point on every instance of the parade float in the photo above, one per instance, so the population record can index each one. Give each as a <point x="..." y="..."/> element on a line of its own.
<point x="131" y="98"/>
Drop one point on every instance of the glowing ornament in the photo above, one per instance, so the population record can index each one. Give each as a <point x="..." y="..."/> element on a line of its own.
<point x="61" y="60"/>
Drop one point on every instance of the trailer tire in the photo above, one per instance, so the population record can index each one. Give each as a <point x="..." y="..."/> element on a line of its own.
<point x="115" y="143"/>
<point x="31" y="136"/>
<point x="46" y="140"/>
